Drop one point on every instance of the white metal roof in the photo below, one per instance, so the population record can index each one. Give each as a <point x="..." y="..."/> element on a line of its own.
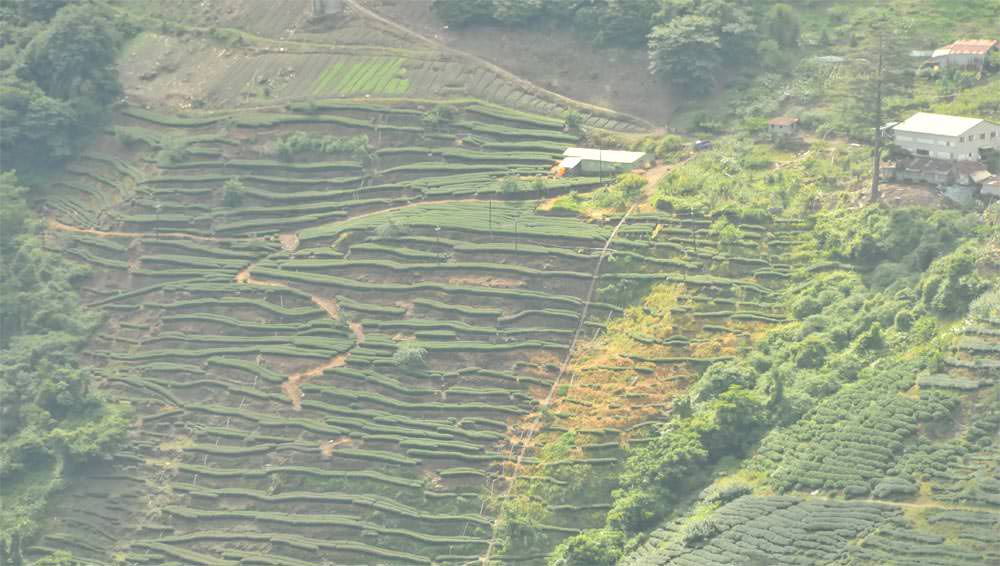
<point x="569" y="162"/>
<point x="606" y="155"/>
<point x="937" y="124"/>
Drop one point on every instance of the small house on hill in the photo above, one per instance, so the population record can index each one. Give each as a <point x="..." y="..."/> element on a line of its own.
<point x="589" y="161"/>
<point x="965" y="53"/>
<point x="945" y="137"/>
<point x="783" y="126"/>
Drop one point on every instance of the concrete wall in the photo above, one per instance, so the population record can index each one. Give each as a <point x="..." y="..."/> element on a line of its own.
<point x="932" y="178"/>
<point x="594" y="166"/>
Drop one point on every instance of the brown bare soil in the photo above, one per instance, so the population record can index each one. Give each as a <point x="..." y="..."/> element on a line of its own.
<point x="902" y="194"/>
<point x="54" y="224"/>
<point x="486" y="281"/>
<point x="406" y="305"/>
<point x="291" y="387"/>
<point x="359" y="332"/>
<point x="602" y="397"/>
<point x="551" y="56"/>
<point x="326" y="448"/>
<point x="329" y="305"/>
<point x="289" y="242"/>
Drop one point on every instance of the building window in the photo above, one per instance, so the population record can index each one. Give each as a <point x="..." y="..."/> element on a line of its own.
<point x="982" y="136"/>
<point x="993" y="134"/>
<point x="922" y="152"/>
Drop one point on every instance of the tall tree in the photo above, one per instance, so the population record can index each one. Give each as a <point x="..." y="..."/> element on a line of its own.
<point x="694" y="37"/>
<point x="881" y="68"/>
<point x="625" y="22"/>
<point x="686" y="52"/>
<point x="74" y="57"/>
<point x="783" y="25"/>
<point x="57" y="82"/>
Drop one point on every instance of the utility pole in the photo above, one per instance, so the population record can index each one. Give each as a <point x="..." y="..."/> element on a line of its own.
<point x="515" y="234"/>
<point x="157" y="207"/>
<point x="877" y="153"/>
<point x="600" y="166"/>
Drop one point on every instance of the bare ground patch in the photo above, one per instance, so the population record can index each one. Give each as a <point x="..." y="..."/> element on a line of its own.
<point x="549" y="55"/>
<point x="486" y="281"/>
<point x="289" y="242"/>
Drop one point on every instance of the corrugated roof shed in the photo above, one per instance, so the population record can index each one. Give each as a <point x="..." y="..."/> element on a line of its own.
<point x="937" y="124"/>
<point x="606" y="155"/>
<point x="967" y="47"/>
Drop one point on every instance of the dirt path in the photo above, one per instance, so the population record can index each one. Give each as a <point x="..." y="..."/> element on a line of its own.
<point x="531" y="428"/>
<point x="654" y="174"/>
<point x="54" y="224"/>
<point x="500" y="71"/>
<point x="292" y="387"/>
<point x="359" y="332"/>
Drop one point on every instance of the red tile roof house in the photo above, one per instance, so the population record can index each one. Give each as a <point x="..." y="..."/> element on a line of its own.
<point x="783" y="126"/>
<point x="965" y="53"/>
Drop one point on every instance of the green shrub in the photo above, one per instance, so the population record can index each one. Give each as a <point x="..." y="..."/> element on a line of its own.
<point x="699" y="530"/>
<point x="439" y="116"/>
<point x="669" y="146"/>
<point x="509" y="185"/>
<point x="302" y="142"/>
<point x="233" y="192"/>
<point x="595" y="547"/>
<point x="572" y="120"/>
<point x="727" y="492"/>
<point x="952" y="282"/>
<point x="173" y="151"/>
<point x="409" y="356"/>
<point x="911" y="236"/>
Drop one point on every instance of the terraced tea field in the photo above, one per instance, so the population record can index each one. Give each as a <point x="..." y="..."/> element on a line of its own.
<point x="224" y="54"/>
<point x="899" y="468"/>
<point x="338" y="359"/>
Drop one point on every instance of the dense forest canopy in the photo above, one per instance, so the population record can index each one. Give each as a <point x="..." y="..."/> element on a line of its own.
<point x="58" y="79"/>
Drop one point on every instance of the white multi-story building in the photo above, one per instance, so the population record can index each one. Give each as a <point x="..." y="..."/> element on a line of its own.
<point x="946" y="137"/>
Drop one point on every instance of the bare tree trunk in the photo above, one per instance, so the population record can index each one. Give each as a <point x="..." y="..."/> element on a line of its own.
<point x="877" y="153"/>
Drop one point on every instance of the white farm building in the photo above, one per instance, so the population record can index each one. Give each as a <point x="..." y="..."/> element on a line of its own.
<point x="946" y="137"/>
<point x="597" y="161"/>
